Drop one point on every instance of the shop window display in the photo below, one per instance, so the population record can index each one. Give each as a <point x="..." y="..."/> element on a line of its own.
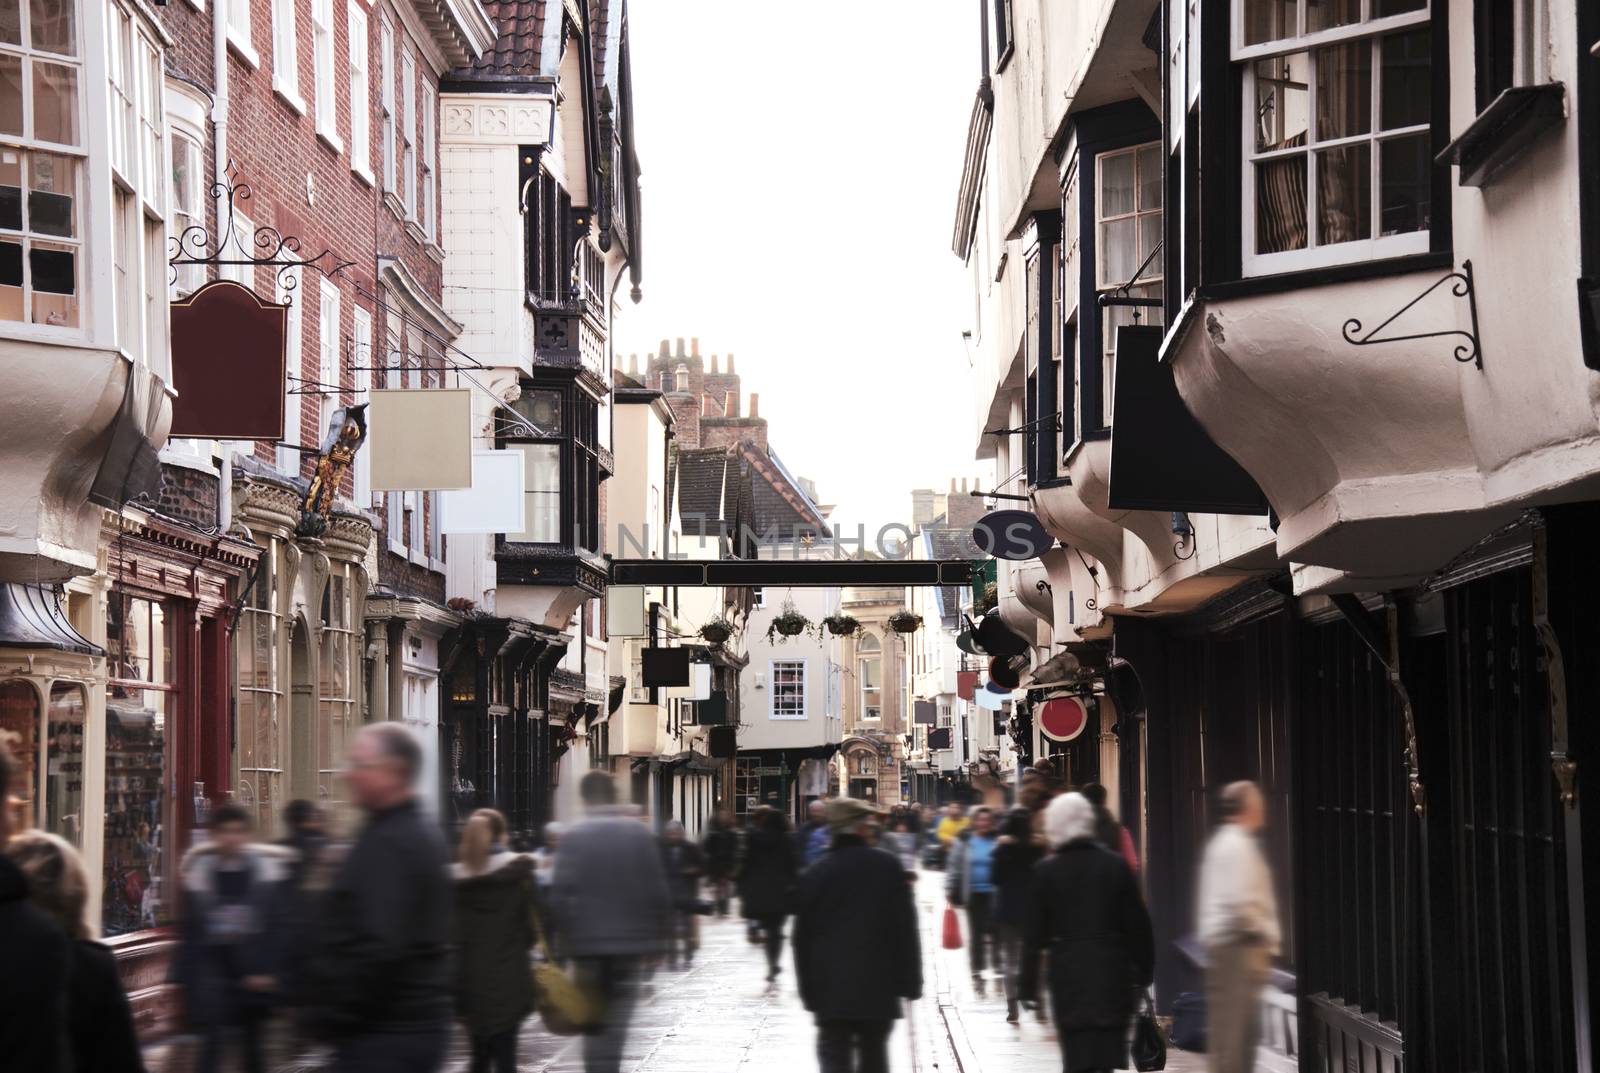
<point x="139" y="695"/>
<point x="19" y="732"/>
<point x="63" y="779"/>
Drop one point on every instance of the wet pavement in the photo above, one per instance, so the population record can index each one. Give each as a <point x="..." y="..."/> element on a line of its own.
<point x="720" y="1016"/>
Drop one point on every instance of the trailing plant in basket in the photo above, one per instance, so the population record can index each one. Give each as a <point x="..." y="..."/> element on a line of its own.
<point x="717" y="630"/>
<point x="839" y="626"/>
<point x="905" y="622"/>
<point x="787" y="623"/>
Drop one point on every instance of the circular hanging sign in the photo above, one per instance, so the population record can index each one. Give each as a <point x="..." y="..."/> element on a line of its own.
<point x="1012" y="534"/>
<point x="1063" y="718"/>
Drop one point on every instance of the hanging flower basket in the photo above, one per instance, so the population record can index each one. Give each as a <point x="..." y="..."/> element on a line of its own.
<point x="717" y="631"/>
<point x="839" y="626"/>
<point x="905" y="622"/>
<point x="987" y="602"/>
<point x="788" y="623"/>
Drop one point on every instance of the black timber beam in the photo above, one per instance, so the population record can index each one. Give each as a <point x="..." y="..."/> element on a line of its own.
<point x="826" y="573"/>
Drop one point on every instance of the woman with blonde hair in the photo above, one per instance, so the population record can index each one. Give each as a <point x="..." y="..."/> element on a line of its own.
<point x="494" y="924"/>
<point x="1085" y="908"/>
<point x="99" y="1020"/>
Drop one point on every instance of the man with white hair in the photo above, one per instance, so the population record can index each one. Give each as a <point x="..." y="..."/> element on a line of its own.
<point x="1238" y="928"/>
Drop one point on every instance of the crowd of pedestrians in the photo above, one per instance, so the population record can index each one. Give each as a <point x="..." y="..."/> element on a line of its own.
<point x="377" y="950"/>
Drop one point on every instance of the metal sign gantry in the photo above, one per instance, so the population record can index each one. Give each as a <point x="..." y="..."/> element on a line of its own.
<point x="799" y="573"/>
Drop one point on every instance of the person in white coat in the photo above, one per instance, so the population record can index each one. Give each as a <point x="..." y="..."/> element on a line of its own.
<point x="1238" y="928"/>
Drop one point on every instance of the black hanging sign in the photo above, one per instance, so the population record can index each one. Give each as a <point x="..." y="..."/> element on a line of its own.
<point x="665" y="666"/>
<point x="1161" y="457"/>
<point x="1012" y="534"/>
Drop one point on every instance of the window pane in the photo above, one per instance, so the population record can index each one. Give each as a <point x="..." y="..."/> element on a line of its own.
<point x="1380" y="8"/>
<point x="52" y="193"/>
<point x="10" y="94"/>
<point x="19" y="732"/>
<point x="1150" y="177"/>
<point x="1404" y="175"/>
<point x="1281" y="204"/>
<point x="1117" y="252"/>
<point x="1344" y="194"/>
<point x="11" y="192"/>
<point x="55" y="103"/>
<point x="1116" y="184"/>
<point x="63" y="785"/>
<point x="54" y="270"/>
<point x="137" y="833"/>
<point x="10" y="281"/>
<point x="1406" y="93"/>
<point x="541" y="409"/>
<point x="52" y="26"/>
<point x="11" y="22"/>
<point x="1270" y="20"/>
<point x="543" y="494"/>
<point x="1149" y="239"/>
<point x="1321" y="14"/>
<point x="1281" y="105"/>
<point x="1344" y="90"/>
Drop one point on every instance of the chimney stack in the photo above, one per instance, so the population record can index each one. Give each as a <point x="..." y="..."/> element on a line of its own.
<point x="694" y="346"/>
<point x="730" y="362"/>
<point x="952" y="485"/>
<point x="680" y="346"/>
<point x="730" y="404"/>
<point x="755" y="404"/>
<point x="633" y="363"/>
<point x="963" y="485"/>
<point x="713" y="365"/>
<point x="666" y="349"/>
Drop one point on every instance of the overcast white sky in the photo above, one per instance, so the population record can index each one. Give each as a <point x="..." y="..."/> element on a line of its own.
<point x="800" y="165"/>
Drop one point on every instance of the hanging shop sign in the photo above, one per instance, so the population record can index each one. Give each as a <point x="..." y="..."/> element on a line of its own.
<point x="228" y="365"/>
<point x="495" y="502"/>
<point x="625" y="615"/>
<point x="1063" y="718"/>
<point x="347" y="431"/>
<point x="995" y="637"/>
<point x="923" y="713"/>
<point x="966" y="684"/>
<point x="1012" y="534"/>
<point x="421" y="440"/>
<point x="664" y="666"/>
<point x="939" y="738"/>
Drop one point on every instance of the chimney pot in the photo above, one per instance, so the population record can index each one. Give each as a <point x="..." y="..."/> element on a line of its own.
<point x="952" y="484"/>
<point x="755" y="404"/>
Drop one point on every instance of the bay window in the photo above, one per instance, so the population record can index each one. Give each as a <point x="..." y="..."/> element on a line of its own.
<point x="41" y="163"/>
<point x="1128" y="221"/>
<point x="1337" y="131"/>
<point x="557" y="437"/>
<point x="188" y="182"/>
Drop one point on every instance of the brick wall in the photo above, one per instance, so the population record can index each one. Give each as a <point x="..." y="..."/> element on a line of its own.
<point x="188" y="495"/>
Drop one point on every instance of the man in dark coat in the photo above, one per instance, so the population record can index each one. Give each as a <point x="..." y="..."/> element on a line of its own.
<point x="856" y="950"/>
<point x="1086" y="910"/>
<point x="766" y="882"/>
<point x="684" y="865"/>
<point x="721" y="849"/>
<point x="232" y="936"/>
<point x="36" y="953"/>
<point x="381" y="978"/>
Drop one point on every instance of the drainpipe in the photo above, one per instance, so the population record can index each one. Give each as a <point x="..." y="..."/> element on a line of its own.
<point x="219" y="134"/>
<point x="378" y="691"/>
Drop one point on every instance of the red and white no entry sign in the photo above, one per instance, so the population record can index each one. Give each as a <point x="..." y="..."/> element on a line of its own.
<point x="1063" y="718"/>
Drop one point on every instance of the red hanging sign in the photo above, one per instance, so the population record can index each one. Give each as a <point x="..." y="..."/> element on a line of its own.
<point x="228" y="364"/>
<point x="1063" y="718"/>
<point x="966" y="684"/>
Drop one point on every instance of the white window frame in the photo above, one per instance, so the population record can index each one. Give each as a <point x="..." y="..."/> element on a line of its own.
<point x="360" y="61"/>
<point x="1313" y="255"/>
<point x="360" y="384"/>
<point x="186" y="212"/>
<point x="325" y="74"/>
<point x="430" y="112"/>
<point x="1111" y="317"/>
<point x="863" y="657"/>
<point x="408" y="133"/>
<point x="288" y="459"/>
<point x="787" y="713"/>
<point x="286" y="55"/>
<point x="239" y="32"/>
<point x="328" y="337"/>
<point x="386" y="99"/>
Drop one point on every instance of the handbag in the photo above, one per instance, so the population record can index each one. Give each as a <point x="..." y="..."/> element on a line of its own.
<point x="952" y="929"/>
<point x="1149" y="1050"/>
<point x="566" y="1006"/>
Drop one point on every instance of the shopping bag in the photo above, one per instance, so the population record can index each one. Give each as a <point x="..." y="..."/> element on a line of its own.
<point x="1149" y="1049"/>
<point x="952" y="929"/>
<point x="565" y="1006"/>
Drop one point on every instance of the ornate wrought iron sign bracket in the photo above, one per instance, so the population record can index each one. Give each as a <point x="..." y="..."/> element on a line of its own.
<point x="268" y="247"/>
<point x="1461" y="285"/>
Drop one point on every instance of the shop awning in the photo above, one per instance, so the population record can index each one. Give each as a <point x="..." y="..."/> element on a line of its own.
<point x="31" y="617"/>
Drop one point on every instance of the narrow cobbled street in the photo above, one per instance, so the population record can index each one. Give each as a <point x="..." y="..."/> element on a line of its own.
<point x="721" y="1017"/>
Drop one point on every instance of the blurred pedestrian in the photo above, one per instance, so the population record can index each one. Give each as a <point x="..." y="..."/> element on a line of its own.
<point x="684" y="865"/>
<point x="613" y="908"/>
<point x="1113" y="835"/>
<point x="951" y="824"/>
<point x="1016" y="851"/>
<point x="33" y="983"/>
<point x="100" y="1030"/>
<point x="544" y="858"/>
<point x="1087" y="912"/>
<point x="810" y="832"/>
<point x="969" y="884"/>
<point x="1238" y="928"/>
<point x="856" y="950"/>
<point x="766" y="882"/>
<point x="494" y="932"/>
<point x="233" y="936"/>
<point x="721" y="850"/>
<point x="380" y="977"/>
<point x="902" y="842"/>
<point x="307" y="836"/>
